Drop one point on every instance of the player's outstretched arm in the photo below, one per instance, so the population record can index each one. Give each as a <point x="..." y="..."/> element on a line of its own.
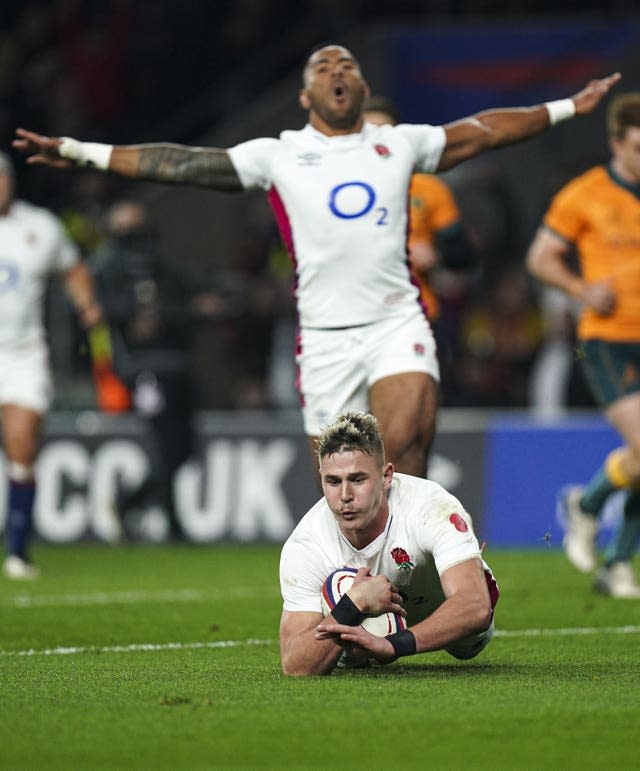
<point x="487" y="130"/>
<point x="169" y="163"/>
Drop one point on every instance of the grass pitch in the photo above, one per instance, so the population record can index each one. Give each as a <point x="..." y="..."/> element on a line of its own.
<point x="162" y="657"/>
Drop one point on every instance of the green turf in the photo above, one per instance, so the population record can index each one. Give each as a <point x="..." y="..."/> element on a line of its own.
<point x="530" y="701"/>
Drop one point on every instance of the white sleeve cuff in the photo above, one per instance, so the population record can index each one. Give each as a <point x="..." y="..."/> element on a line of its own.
<point x="86" y="153"/>
<point x="561" y="109"/>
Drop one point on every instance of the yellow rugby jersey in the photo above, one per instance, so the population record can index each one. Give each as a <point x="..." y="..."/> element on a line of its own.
<point x="432" y="208"/>
<point x="600" y="215"/>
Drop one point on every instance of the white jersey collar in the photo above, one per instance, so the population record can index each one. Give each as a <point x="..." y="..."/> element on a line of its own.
<point x="340" y="140"/>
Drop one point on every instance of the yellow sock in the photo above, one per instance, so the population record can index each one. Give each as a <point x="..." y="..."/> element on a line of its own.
<point x="614" y="470"/>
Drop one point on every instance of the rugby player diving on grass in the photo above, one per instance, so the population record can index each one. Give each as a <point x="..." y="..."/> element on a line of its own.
<point x="416" y="554"/>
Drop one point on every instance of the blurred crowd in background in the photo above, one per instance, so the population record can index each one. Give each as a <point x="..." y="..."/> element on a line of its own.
<point x="113" y="72"/>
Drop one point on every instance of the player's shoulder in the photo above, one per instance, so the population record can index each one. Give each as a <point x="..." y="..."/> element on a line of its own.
<point x="423" y="492"/>
<point x="259" y="144"/>
<point x="25" y="210"/>
<point x="316" y="524"/>
<point x="29" y="215"/>
<point x="406" y="131"/>
<point x="418" y="131"/>
<point x="578" y="194"/>
<point x="304" y="137"/>
<point x="588" y="180"/>
<point x="426" y="504"/>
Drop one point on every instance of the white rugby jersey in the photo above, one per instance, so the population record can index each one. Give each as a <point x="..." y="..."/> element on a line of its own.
<point x="33" y="245"/>
<point x="341" y="205"/>
<point x="427" y="532"/>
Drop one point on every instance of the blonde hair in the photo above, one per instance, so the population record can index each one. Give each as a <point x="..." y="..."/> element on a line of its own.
<point x="352" y="431"/>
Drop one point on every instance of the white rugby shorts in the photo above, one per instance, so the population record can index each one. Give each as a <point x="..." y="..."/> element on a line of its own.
<point x="338" y="366"/>
<point x="25" y="379"/>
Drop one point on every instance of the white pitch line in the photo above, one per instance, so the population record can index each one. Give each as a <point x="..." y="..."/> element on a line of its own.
<point x="135" y="647"/>
<point x="144" y="647"/>
<point x="126" y="598"/>
<point x="104" y="598"/>
<point x="576" y="630"/>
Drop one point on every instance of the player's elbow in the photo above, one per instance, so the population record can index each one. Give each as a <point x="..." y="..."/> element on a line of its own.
<point x="484" y="618"/>
<point x="479" y="615"/>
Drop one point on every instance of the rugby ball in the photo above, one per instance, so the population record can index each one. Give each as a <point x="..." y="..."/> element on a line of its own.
<point x="338" y="583"/>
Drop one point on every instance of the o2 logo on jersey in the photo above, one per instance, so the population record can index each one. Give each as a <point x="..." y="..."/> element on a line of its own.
<point x="351" y="200"/>
<point x="9" y="276"/>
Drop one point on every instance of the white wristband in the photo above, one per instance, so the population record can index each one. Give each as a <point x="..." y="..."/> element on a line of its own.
<point x="562" y="109"/>
<point x="86" y="153"/>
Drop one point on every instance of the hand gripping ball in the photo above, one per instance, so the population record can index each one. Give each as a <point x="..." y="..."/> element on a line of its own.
<point x="338" y="583"/>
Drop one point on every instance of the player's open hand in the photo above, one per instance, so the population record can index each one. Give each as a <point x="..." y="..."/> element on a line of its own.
<point x="589" y="98"/>
<point x="600" y="297"/>
<point x="358" y="641"/>
<point x="41" y="149"/>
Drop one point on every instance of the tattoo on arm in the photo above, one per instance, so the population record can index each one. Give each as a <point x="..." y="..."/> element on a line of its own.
<point x="205" y="167"/>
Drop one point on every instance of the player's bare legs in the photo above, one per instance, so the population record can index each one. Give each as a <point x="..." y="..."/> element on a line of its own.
<point x="21" y="435"/>
<point x="406" y="406"/>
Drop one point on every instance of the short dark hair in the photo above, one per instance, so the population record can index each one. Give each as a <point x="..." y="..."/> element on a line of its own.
<point x="351" y="432"/>
<point x="381" y="104"/>
<point x="623" y="113"/>
<point x="320" y="46"/>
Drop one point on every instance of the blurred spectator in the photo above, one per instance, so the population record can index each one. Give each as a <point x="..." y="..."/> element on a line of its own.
<point x="500" y="336"/>
<point x="263" y="275"/>
<point x="489" y="212"/>
<point x="152" y="304"/>
<point x="95" y="41"/>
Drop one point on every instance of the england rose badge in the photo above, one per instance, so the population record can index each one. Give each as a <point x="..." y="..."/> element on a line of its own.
<point x="402" y="559"/>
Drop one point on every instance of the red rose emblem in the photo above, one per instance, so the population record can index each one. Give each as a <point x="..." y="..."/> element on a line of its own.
<point x="459" y="523"/>
<point x="401" y="558"/>
<point x="382" y="150"/>
<point x="418" y="348"/>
